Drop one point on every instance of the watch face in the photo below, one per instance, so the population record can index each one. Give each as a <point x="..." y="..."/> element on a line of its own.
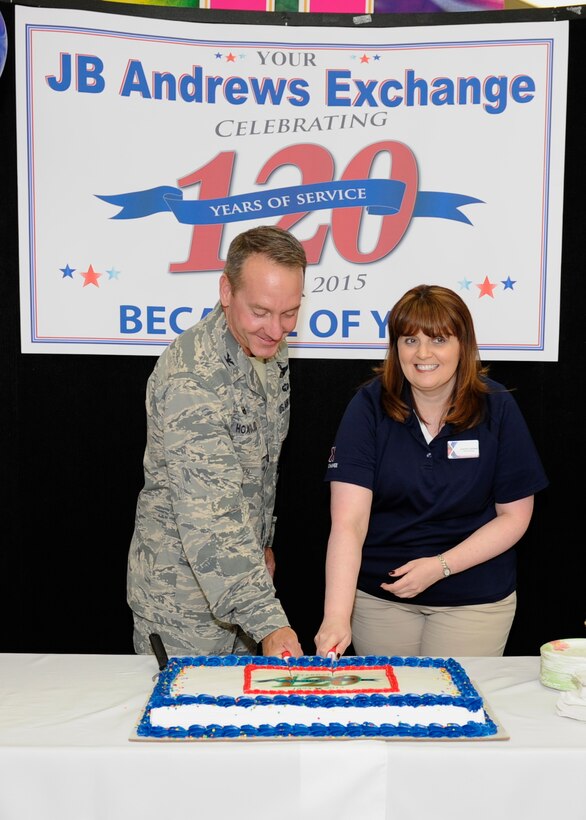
<point x="446" y="572"/>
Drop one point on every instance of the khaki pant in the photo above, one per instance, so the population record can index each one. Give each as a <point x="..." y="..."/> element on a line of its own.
<point x="395" y="628"/>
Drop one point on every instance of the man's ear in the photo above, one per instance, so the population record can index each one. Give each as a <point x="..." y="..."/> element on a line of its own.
<point x="225" y="290"/>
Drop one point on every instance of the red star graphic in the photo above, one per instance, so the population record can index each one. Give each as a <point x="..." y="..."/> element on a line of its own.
<point x="91" y="276"/>
<point x="231" y="57"/>
<point x="486" y="288"/>
<point x="364" y="59"/>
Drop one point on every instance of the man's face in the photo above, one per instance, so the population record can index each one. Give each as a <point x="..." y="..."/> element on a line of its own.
<point x="265" y="307"/>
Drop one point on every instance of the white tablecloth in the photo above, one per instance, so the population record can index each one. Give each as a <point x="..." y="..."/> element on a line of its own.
<point x="65" y="754"/>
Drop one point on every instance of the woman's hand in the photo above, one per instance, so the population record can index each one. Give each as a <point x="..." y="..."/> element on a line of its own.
<point x="333" y="636"/>
<point x="414" y="577"/>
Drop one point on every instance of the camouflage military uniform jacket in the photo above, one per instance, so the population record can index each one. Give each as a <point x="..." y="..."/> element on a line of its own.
<point x="205" y="513"/>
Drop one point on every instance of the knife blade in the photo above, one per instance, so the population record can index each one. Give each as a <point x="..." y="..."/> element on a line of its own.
<point x="333" y="657"/>
<point x="286" y="655"/>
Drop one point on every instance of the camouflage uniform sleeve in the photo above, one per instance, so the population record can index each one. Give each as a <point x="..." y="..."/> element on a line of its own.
<point x="211" y="513"/>
<point x="271" y="536"/>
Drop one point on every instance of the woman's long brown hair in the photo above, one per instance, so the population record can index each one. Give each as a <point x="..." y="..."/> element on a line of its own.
<point x="435" y="311"/>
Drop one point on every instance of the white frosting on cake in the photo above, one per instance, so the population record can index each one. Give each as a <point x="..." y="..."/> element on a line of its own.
<point x="362" y="697"/>
<point x="256" y="716"/>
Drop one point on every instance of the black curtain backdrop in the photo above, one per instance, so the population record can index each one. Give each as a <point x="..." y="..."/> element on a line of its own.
<point x="73" y="431"/>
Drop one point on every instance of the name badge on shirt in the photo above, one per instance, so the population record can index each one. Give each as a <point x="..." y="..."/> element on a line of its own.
<point x="463" y="449"/>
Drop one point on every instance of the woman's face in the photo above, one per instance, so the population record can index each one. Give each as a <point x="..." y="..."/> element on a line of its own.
<point x="429" y="363"/>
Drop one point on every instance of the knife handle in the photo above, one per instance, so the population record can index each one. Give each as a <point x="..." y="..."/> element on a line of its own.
<point x="159" y="650"/>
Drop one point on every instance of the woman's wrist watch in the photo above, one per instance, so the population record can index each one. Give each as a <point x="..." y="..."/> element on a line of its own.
<point x="445" y="568"/>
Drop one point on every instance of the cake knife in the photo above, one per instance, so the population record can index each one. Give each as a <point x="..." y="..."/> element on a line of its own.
<point x="286" y="655"/>
<point x="333" y="656"/>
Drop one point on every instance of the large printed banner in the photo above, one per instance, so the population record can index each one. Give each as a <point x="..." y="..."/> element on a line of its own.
<point x="398" y="156"/>
<point x="334" y="6"/>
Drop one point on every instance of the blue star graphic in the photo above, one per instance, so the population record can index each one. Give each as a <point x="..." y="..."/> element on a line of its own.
<point x="508" y="283"/>
<point x="67" y="271"/>
<point x="113" y="273"/>
<point x="376" y="57"/>
<point x="465" y="284"/>
<point x="217" y="55"/>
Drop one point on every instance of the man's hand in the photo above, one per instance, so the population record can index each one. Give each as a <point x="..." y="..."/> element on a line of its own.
<point x="279" y="641"/>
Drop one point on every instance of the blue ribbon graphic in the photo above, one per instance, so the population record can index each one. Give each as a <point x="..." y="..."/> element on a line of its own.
<point x="379" y="196"/>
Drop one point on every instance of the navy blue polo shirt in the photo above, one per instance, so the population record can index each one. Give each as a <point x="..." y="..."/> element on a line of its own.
<point x="429" y="497"/>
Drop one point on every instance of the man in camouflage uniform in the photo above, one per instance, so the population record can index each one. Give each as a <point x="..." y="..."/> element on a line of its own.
<point x="200" y="563"/>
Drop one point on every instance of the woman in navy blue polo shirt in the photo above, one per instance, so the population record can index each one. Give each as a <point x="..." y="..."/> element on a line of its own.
<point x="433" y="474"/>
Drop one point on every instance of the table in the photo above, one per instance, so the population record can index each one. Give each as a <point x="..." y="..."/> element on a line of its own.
<point x="65" y="754"/>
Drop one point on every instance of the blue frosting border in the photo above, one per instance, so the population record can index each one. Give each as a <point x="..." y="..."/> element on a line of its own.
<point x="468" y="697"/>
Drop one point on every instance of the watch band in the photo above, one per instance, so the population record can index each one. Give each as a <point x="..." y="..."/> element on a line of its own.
<point x="445" y="568"/>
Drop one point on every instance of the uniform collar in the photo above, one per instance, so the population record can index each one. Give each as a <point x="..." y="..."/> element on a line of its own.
<point x="236" y="361"/>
